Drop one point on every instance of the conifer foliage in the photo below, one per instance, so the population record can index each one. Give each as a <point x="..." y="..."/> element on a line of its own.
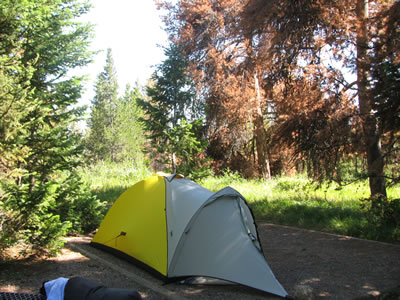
<point x="173" y="116"/>
<point x="103" y="112"/>
<point x="115" y="132"/>
<point x="41" y="195"/>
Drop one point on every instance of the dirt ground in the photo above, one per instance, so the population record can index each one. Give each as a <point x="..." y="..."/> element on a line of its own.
<point x="327" y="266"/>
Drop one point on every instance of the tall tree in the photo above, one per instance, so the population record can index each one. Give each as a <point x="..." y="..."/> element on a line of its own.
<point x="173" y="91"/>
<point x="235" y="100"/>
<point x="314" y="61"/>
<point x="101" y="139"/>
<point x="326" y="41"/>
<point x="171" y="105"/>
<point x="385" y="77"/>
<point x="40" y="188"/>
<point x="115" y="129"/>
<point x="128" y="127"/>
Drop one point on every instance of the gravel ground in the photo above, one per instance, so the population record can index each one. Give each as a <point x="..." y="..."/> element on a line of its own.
<point x="320" y="265"/>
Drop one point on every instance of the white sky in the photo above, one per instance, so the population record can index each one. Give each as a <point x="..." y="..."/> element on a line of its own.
<point x="132" y="29"/>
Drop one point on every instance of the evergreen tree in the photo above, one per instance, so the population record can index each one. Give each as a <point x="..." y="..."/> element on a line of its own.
<point x="116" y="134"/>
<point x="171" y="107"/>
<point x="313" y="61"/>
<point x="128" y="128"/>
<point x="224" y="69"/>
<point x="41" y="195"/>
<point x="102" y="140"/>
<point x="318" y="44"/>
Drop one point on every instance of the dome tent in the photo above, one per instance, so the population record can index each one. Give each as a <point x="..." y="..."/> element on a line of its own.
<point x="177" y="229"/>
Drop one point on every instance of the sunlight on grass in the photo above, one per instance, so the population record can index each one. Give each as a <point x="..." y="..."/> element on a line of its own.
<point x="294" y="201"/>
<point x="109" y="180"/>
<point x="297" y="201"/>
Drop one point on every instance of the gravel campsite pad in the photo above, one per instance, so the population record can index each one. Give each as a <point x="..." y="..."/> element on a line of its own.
<point x="320" y="265"/>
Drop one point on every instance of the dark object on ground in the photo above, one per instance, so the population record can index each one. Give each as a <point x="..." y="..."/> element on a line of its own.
<point x="79" y="288"/>
<point x="19" y="296"/>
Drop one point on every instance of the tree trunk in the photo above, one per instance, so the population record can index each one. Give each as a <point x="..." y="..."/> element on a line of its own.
<point x="260" y="135"/>
<point x="173" y="163"/>
<point x="32" y="181"/>
<point x="371" y="134"/>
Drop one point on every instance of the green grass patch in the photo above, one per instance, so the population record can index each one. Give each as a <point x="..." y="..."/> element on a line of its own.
<point x="294" y="201"/>
<point x="297" y="201"/>
<point x="108" y="180"/>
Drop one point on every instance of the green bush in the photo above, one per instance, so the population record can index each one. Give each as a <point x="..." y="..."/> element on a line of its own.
<point x="38" y="218"/>
<point x="77" y="205"/>
<point x="33" y="225"/>
<point x="295" y="184"/>
<point x="383" y="216"/>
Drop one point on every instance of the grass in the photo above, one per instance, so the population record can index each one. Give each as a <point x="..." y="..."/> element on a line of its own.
<point x="108" y="180"/>
<point x="297" y="201"/>
<point x="294" y="201"/>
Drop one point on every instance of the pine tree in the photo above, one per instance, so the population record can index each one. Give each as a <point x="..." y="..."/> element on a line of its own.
<point x="323" y="43"/>
<point x="314" y="61"/>
<point x="102" y="138"/>
<point x="40" y="189"/>
<point x="172" y="113"/>
<point x="128" y="128"/>
<point x="235" y="99"/>
<point x="115" y="129"/>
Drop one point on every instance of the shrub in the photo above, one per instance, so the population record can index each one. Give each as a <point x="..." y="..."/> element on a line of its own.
<point x="33" y="225"/>
<point x="383" y="216"/>
<point x="38" y="218"/>
<point x="77" y="205"/>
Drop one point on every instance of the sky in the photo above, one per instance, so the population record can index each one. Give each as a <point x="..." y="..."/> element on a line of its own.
<point x="133" y="31"/>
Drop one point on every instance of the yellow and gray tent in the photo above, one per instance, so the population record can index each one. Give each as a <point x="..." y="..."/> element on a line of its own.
<point x="178" y="229"/>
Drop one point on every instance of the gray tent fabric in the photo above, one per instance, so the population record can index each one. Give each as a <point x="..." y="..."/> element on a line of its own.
<point x="221" y="242"/>
<point x="183" y="198"/>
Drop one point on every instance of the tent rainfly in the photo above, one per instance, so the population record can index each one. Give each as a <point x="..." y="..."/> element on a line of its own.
<point x="177" y="228"/>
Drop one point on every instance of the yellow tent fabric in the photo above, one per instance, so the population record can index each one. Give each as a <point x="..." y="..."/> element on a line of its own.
<point x="136" y="224"/>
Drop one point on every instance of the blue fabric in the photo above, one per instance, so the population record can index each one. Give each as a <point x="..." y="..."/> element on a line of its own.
<point x="55" y="288"/>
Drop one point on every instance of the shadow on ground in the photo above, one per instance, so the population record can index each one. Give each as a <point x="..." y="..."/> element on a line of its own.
<point x="334" y="267"/>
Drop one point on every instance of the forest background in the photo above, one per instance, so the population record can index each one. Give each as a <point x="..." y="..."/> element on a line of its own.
<point x="293" y="103"/>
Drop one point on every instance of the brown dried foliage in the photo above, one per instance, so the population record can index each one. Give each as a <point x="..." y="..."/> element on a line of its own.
<point x="302" y="53"/>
